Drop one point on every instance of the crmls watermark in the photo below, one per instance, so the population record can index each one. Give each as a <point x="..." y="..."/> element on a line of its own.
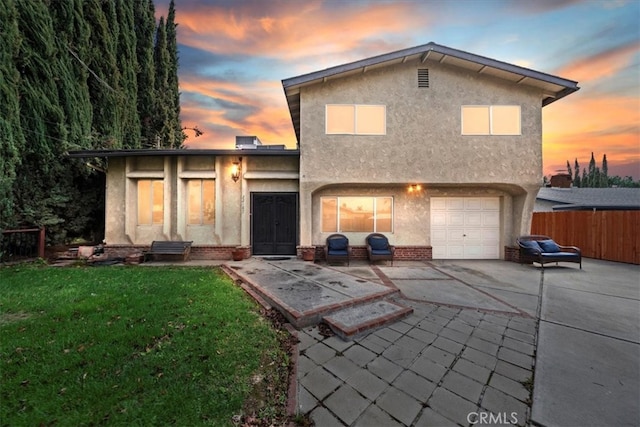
<point x="491" y="418"/>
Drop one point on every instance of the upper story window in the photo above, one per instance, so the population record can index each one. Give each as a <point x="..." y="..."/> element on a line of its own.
<point x="357" y="214"/>
<point x="150" y="201"/>
<point x="491" y="120"/>
<point x="200" y="207"/>
<point x="354" y="119"/>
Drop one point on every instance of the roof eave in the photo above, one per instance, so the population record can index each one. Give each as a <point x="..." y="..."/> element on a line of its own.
<point x="186" y="152"/>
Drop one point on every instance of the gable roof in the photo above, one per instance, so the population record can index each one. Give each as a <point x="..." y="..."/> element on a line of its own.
<point x="591" y="198"/>
<point x="554" y="87"/>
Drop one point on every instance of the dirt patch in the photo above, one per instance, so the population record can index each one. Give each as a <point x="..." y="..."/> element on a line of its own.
<point x="7" y="318"/>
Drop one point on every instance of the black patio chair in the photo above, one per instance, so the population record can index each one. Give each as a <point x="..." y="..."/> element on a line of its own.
<point x="337" y="249"/>
<point x="379" y="249"/>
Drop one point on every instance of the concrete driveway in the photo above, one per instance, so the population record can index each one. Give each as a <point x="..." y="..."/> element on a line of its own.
<point x="480" y="331"/>
<point x="587" y="345"/>
<point x="588" y="359"/>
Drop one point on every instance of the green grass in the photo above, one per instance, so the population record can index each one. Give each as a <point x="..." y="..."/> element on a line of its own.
<point x="128" y="346"/>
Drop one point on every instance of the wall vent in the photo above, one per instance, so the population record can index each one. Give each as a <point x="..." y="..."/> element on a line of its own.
<point x="423" y="77"/>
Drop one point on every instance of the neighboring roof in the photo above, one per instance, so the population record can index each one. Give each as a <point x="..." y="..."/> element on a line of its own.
<point x="554" y="87"/>
<point x="591" y="198"/>
<point x="262" y="151"/>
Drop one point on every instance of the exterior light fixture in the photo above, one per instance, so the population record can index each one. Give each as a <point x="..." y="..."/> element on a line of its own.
<point x="235" y="170"/>
<point x="413" y="188"/>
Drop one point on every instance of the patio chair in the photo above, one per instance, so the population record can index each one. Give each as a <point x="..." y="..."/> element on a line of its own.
<point x="337" y="249"/>
<point x="378" y="248"/>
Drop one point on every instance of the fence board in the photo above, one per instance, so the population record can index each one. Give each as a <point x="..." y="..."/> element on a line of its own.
<point x="607" y="235"/>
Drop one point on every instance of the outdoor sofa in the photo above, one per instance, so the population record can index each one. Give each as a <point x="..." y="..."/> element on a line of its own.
<point x="543" y="250"/>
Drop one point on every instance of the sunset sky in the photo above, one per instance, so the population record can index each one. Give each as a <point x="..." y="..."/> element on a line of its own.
<point x="234" y="54"/>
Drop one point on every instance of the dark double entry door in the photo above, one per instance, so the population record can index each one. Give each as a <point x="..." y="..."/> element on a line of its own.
<point x="274" y="223"/>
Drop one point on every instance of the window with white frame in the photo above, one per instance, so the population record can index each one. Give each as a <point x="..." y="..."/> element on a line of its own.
<point x="357" y="214"/>
<point x="491" y="120"/>
<point x="150" y="201"/>
<point x="353" y="119"/>
<point x="200" y="201"/>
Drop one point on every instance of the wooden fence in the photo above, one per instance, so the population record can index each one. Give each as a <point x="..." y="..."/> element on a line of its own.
<point x="608" y="235"/>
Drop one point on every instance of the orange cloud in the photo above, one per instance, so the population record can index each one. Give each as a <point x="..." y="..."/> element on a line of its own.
<point x="578" y="125"/>
<point x="274" y="28"/>
<point x="262" y="106"/>
<point x="601" y="65"/>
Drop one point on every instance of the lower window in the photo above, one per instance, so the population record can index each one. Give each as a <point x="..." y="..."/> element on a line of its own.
<point x="150" y="201"/>
<point x="357" y="214"/>
<point x="200" y="201"/>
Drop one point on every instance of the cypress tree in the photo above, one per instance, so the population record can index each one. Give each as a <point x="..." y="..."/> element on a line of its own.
<point x="78" y="74"/>
<point x="576" y="177"/>
<point x="604" y="176"/>
<point x="145" y="24"/>
<point x="105" y="75"/>
<point x="12" y="138"/>
<point x="592" y="180"/>
<point x="127" y="95"/>
<point x="162" y="118"/>
<point x="172" y="77"/>
<point x="569" y="169"/>
<point x="40" y="191"/>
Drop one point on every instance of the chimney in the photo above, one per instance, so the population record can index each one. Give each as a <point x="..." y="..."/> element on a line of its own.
<point x="561" y="180"/>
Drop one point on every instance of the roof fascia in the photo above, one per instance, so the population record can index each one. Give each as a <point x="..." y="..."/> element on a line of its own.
<point x="187" y="152"/>
<point x="570" y="85"/>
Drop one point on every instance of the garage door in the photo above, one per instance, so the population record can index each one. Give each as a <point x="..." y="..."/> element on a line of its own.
<point x="465" y="227"/>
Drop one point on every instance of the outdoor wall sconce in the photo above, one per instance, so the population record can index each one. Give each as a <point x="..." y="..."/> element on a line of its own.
<point x="236" y="169"/>
<point x="414" y="188"/>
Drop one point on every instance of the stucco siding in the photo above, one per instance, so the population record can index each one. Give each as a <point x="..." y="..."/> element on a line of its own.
<point x="231" y="225"/>
<point x="423" y="141"/>
<point x="423" y="145"/>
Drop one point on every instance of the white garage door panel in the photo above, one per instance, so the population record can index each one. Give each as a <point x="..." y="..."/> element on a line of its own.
<point x="471" y="204"/>
<point x="473" y="219"/>
<point x="439" y="218"/>
<point x="455" y="203"/>
<point x="465" y="227"/>
<point x="490" y="219"/>
<point x="491" y="203"/>
<point x="455" y="219"/>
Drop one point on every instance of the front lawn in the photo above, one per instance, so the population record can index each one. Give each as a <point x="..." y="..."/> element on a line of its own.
<point x="133" y="346"/>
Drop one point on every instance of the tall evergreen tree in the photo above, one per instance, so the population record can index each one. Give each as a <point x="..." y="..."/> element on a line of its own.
<point x="591" y="180"/>
<point x="163" y="104"/>
<point x="173" y="87"/>
<point x="39" y="196"/>
<point x="12" y="138"/>
<point x="103" y="83"/>
<point x="604" y="176"/>
<point x="76" y="74"/>
<point x="145" y="26"/>
<point x="127" y="95"/>
<point x="576" y="171"/>
<point x="569" y="169"/>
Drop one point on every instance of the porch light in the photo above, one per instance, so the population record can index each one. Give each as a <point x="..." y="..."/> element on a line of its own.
<point x="235" y="170"/>
<point x="413" y="188"/>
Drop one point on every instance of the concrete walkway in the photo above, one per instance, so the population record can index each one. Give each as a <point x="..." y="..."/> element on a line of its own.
<point x="473" y="347"/>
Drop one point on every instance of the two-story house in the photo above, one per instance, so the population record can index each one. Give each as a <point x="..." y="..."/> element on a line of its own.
<point x="437" y="148"/>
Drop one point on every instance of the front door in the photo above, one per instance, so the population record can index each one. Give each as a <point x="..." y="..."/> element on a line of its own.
<point x="274" y="223"/>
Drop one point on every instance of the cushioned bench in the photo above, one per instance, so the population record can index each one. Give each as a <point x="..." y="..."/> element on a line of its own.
<point x="166" y="247"/>
<point x="542" y="249"/>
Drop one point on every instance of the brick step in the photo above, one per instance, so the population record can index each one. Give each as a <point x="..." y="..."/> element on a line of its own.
<point x="354" y="321"/>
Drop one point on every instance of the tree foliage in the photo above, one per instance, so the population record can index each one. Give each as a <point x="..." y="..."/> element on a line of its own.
<point x="598" y="177"/>
<point x="74" y="75"/>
